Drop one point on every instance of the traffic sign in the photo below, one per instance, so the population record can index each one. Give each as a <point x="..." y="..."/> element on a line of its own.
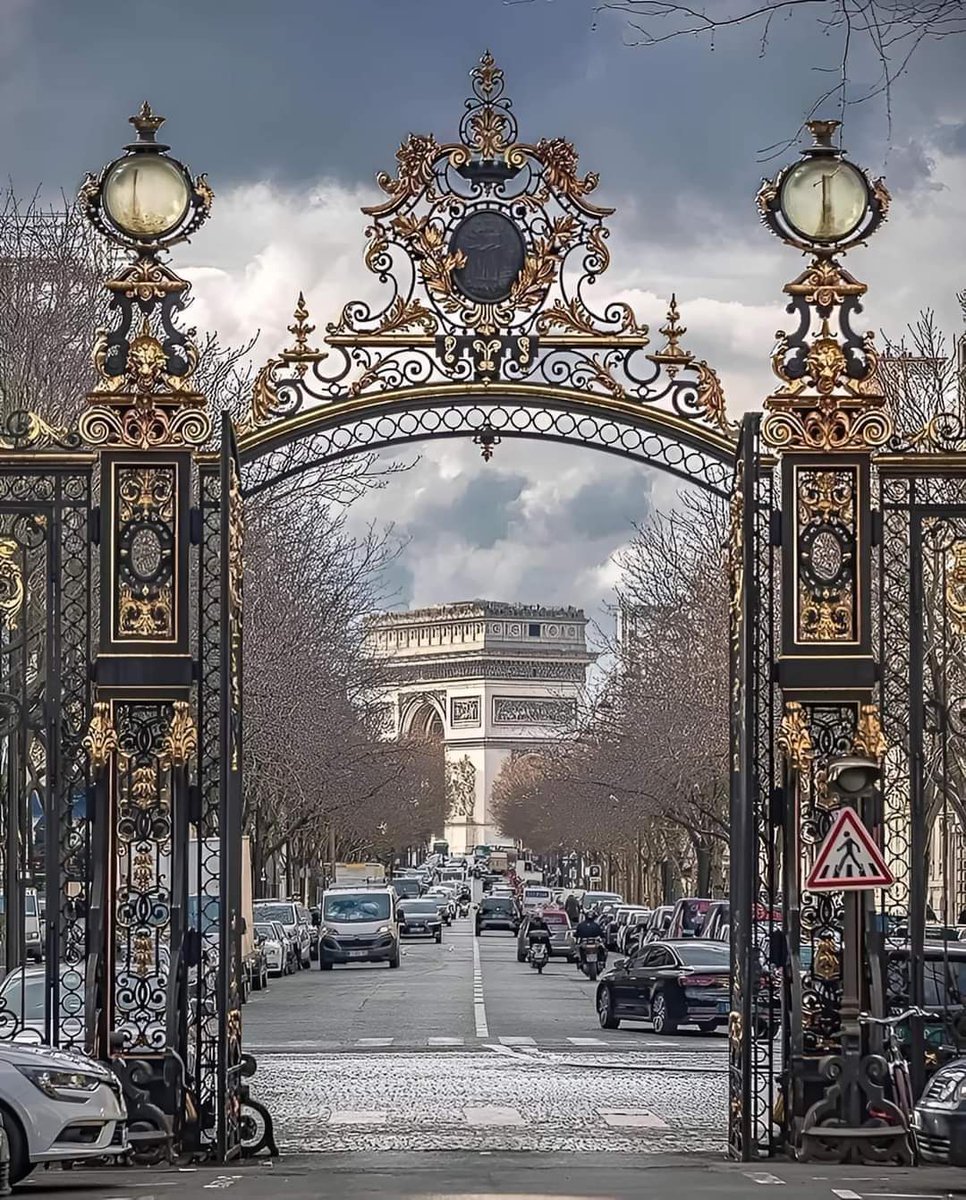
<point x="593" y="872"/>
<point x="849" y="859"/>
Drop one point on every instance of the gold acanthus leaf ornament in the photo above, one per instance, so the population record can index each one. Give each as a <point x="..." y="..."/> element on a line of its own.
<point x="11" y="583"/>
<point x="415" y="159"/>
<point x="795" y="738"/>
<point x="181" y="740"/>
<point x="956" y="586"/>
<point x="869" y="740"/>
<point x="100" y="740"/>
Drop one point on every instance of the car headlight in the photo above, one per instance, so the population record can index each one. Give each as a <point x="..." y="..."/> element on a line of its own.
<point x="384" y="929"/>
<point x="62" y="1085"/>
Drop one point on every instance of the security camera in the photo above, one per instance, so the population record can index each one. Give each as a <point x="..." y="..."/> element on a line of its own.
<point x="852" y="775"/>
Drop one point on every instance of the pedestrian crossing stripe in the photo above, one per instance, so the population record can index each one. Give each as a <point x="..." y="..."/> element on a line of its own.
<point x="849" y="859"/>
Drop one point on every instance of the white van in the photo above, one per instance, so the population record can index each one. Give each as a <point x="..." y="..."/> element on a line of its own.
<point x="358" y="925"/>
<point x="536" y="897"/>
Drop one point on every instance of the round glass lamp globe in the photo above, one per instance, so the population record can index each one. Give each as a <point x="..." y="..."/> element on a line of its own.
<point x="824" y="199"/>
<point x="146" y="196"/>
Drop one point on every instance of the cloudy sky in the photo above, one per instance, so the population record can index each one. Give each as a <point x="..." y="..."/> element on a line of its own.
<point x="291" y="106"/>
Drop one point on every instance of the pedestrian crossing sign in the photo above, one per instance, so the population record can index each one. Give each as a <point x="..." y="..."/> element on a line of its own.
<point x="849" y="859"/>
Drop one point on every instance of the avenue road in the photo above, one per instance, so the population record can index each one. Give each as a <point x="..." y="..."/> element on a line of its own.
<point x="464" y="1047"/>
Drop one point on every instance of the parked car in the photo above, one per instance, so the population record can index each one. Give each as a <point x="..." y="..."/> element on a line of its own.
<point x="668" y="983"/>
<point x="939" y="1118"/>
<point x="599" y="901"/>
<point x="420" y="918"/>
<point x="295" y="920"/>
<point x="657" y="925"/>
<point x="274" y="947"/>
<point x="33" y="940"/>
<point x="59" y="1106"/>
<point x="687" y="918"/>
<point x="359" y="925"/>
<point x="23" y="999"/>
<point x="561" y="935"/>
<point x="618" y="918"/>
<point x="632" y="930"/>
<point x="717" y="922"/>
<point x="497" y="912"/>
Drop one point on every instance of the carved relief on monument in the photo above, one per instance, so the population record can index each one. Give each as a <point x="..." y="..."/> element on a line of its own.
<point x="523" y="710"/>
<point x="464" y="710"/>
<point x="461" y="788"/>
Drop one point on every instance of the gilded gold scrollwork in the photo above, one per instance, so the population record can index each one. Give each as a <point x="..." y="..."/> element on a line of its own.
<point x="11" y="582"/>
<point x="100" y="740"/>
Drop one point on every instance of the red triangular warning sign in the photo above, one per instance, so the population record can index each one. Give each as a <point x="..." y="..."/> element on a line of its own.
<point x="849" y="859"/>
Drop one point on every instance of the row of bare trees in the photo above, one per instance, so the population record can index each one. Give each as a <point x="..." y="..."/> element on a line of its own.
<point x="643" y="785"/>
<point x="318" y="773"/>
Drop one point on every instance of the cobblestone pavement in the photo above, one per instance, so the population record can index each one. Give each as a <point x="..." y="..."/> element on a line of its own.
<point x="464" y="1048"/>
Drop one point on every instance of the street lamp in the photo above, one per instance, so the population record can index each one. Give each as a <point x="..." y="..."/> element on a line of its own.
<point x="146" y="200"/>
<point x="823" y="203"/>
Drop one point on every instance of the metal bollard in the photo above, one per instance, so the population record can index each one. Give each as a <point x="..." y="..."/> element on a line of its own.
<point x="4" y="1160"/>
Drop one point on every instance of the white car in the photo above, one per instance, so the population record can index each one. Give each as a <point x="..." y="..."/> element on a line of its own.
<point x="59" y="1107"/>
<point x="273" y="946"/>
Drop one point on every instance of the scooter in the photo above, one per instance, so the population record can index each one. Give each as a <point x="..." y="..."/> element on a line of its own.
<point x="590" y="957"/>
<point x="464" y="908"/>
<point x="539" y="954"/>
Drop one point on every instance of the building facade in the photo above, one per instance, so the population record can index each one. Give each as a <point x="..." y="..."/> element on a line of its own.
<point x="486" y="680"/>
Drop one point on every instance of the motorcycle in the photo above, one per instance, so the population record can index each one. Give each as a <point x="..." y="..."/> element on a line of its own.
<point x="539" y="954"/>
<point x="590" y="957"/>
<point x="464" y="908"/>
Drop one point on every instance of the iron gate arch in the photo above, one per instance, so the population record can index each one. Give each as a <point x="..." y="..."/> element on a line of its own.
<point x="127" y="731"/>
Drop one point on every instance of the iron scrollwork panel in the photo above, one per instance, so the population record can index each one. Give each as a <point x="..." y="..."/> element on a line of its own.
<point x="45" y="646"/>
<point x="756" y="993"/>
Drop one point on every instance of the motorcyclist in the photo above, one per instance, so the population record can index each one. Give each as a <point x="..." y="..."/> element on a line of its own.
<point x="589" y="927"/>
<point x="537" y="929"/>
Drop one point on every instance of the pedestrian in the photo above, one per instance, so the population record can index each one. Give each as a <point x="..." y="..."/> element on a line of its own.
<point x="572" y="907"/>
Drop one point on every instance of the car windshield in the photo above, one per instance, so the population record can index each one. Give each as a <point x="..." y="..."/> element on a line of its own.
<point x="24" y="995"/>
<point x="284" y="913"/>
<point x="356" y="906"/>
<point x="704" y="954"/>
<point x="265" y="931"/>
<point x="406" y="887"/>
<point x="693" y="914"/>
<point x="496" y="906"/>
<point x="419" y="906"/>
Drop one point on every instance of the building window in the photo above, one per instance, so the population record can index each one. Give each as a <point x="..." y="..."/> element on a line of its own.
<point x="533" y="630"/>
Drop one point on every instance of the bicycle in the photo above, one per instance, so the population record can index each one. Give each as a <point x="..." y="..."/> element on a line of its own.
<point x="898" y="1069"/>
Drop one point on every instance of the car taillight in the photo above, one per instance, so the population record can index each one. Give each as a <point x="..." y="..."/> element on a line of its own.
<point x="699" y="980"/>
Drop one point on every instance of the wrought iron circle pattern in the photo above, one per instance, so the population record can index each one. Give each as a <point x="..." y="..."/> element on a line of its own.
<point x="490" y="420"/>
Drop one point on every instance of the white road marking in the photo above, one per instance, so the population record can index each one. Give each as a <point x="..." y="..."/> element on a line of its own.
<point x="479" y="1005"/>
<point x="357" y="1116"/>
<point x="845" y="1194"/>
<point x="445" y="1041"/>
<point x="632" y="1118"/>
<point x="223" y="1181"/>
<point x="517" y="1041"/>
<point x="375" y="1041"/>
<point x="491" y="1116"/>
<point x="582" y="1041"/>
<point x="763" y="1177"/>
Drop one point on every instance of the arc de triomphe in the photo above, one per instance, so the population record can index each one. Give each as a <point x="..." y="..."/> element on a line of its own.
<point x="487" y="680"/>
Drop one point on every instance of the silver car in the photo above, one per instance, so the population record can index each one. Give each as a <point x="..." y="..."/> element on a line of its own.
<point x="59" y="1106"/>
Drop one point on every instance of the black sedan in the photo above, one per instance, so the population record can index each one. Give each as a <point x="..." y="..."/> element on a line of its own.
<point x="497" y="912"/>
<point x="668" y="983"/>
<point x="420" y="918"/>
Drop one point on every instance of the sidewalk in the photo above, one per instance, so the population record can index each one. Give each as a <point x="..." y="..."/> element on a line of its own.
<point x="459" y="1175"/>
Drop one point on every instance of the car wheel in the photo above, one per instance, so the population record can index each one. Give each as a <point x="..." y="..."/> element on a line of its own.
<point x="477" y="931"/>
<point x="439" y="939"/>
<point x="324" y="966"/>
<point x="605" y="1009"/>
<point x="394" y="962"/>
<point x="521" y="957"/>
<point x="660" y="1016"/>
<point x="707" y="1026"/>
<point x="20" y="1164"/>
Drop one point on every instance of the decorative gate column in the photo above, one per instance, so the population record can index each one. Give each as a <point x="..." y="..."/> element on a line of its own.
<point x="147" y="420"/>
<point x="825" y="420"/>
